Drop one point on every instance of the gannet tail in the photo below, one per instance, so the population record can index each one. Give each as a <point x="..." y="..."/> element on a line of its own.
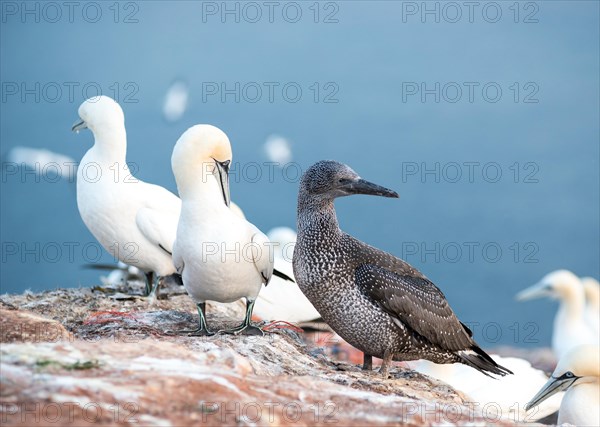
<point x="480" y="360"/>
<point x="282" y="275"/>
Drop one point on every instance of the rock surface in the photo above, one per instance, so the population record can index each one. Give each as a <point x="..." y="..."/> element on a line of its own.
<point x="81" y="356"/>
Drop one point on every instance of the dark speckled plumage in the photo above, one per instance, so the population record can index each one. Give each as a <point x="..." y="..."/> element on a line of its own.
<point x="375" y="301"/>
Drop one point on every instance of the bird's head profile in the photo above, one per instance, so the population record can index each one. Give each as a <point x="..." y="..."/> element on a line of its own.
<point x="202" y="155"/>
<point x="559" y="284"/>
<point x="99" y="113"/>
<point x="328" y="180"/>
<point x="580" y="365"/>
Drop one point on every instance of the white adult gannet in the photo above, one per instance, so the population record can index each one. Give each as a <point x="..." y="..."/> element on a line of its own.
<point x="507" y="394"/>
<point x="220" y="256"/>
<point x="283" y="300"/>
<point x="578" y="373"/>
<point x="591" y="288"/>
<point x="570" y="326"/>
<point x="135" y="221"/>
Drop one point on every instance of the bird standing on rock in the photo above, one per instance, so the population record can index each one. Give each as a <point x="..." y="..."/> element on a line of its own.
<point x="220" y="256"/>
<point x="134" y="221"/>
<point x="373" y="300"/>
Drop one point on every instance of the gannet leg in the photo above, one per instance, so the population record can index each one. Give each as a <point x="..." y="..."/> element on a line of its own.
<point x="246" y="328"/>
<point x="387" y="359"/>
<point x="155" y="286"/>
<point x="202" y="329"/>
<point x="149" y="282"/>
<point x="368" y="362"/>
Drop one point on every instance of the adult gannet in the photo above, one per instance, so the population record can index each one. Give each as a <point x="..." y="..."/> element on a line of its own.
<point x="282" y="299"/>
<point x="220" y="256"/>
<point x="591" y="289"/>
<point x="578" y="374"/>
<point x="373" y="300"/>
<point x="135" y="221"/>
<point x="570" y="327"/>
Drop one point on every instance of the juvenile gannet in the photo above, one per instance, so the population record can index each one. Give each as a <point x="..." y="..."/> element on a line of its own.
<point x="282" y="299"/>
<point x="570" y="327"/>
<point x="591" y="288"/>
<point x="373" y="300"/>
<point x="578" y="373"/>
<point x="220" y="256"/>
<point x="134" y="221"/>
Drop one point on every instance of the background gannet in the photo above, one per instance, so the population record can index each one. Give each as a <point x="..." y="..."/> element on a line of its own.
<point x="578" y="373"/>
<point x="135" y="221"/>
<point x="220" y="256"/>
<point x="570" y="326"/>
<point x="591" y="288"/>
<point x="282" y="299"/>
<point x="373" y="300"/>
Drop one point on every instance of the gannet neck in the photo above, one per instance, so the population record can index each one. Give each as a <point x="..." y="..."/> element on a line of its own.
<point x="317" y="215"/>
<point x="572" y="302"/>
<point x="110" y="144"/>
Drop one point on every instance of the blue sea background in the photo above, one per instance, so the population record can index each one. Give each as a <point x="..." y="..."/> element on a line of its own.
<point x="371" y="55"/>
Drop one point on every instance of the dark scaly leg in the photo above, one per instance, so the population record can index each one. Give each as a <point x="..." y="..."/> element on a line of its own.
<point x="368" y="362"/>
<point x="385" y="366"/>
<point x="246" y="328"/>
<point x="156" y="285"/>
<point x="149" y="282"/>
<point x="202" y="329"/>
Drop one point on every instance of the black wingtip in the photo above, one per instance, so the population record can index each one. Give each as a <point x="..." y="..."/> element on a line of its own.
<point x="480" y="360"/>
<point x="282" y="275"/>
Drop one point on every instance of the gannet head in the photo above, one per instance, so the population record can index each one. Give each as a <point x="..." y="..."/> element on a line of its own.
<point x="580" y="365"/>
<point x="559" y="284"/>
<point x="202" y="155"/>
<point x="99" y="112"/>
<point x="327" y="180"/>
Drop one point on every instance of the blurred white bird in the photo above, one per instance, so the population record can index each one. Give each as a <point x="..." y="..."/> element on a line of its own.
<point x="509" y="393"/>
<point x="43" y="161"/>
<point x="278" y="150"/>
<point x="591" y="288"/>
<point x="282" y="299"/>
<point x="578" y="373"/>
<point x="570" y="326"/>
<point x="176" y="101"/>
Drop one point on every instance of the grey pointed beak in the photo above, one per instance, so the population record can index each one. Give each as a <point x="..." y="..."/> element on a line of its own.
<point x="79" y="125"/>
<point x="553" y="386"/>
<point x="538" y="290"/>
<point x="362" y="186"/>
<point x="223" y="177"/>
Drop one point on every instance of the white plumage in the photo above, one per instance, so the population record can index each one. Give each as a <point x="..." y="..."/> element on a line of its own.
<point x="220" y="256"/>
<point x="570" y="325"/>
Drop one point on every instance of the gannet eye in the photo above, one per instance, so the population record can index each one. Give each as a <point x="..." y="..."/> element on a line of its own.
<point x="569" y="374"/>
<point x="343" y="181"/>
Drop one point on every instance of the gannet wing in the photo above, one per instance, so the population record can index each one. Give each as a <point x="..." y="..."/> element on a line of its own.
<point x="158" y="218"/>
<point x="417" y="303"/>
<point x="262" y="255"/>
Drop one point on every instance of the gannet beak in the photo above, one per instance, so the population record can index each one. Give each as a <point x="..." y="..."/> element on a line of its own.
<point x="223" y="170"/>
<point x="79" y="125"/>
<point x="538" y="290"/>
<point x="553" y="386"/>
<point x="361" y="186"/>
